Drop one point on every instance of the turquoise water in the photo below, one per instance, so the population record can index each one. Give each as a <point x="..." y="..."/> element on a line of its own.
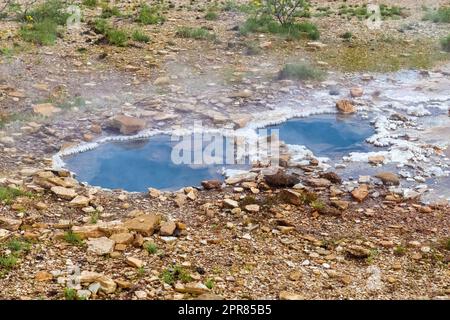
<point x="332" y="136"/>
<point x="138" y="165"/>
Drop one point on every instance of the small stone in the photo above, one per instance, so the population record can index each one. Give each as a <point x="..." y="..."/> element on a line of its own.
<point x="64" y="193"/>
<point x="211" y="184"/>
<point x="101" y="246"/>
<point x="162" y="81"/>
<point x="134" y="262"/>
<point x="377" y="159"/>
<point x="356" y="92"/>
<point x="358" y="251"/>
<point x="45" y="109"/>
<point x="388" y="178"/>
<point x="79" y="202"/>
<point x="229" y="203"/>
<point x="107" y="285"/>
<point x="295" y="275"/>
<point x="252" y="208"/>
<point x="122" y="238"/>
<point x="43" y="276"/>
<point x="127" y="125"/>
<point x="144" y="224"/>
<point x="140" y="294"/>
<point x="167" y="228"/>
<point x="361" y="192"/>
<point x="345" y="106"/>
<point x="154" y="193"/>
<point x="287" y="295"/>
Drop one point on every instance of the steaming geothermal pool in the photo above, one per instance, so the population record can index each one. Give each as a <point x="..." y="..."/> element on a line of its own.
<point x="136" y="165"/>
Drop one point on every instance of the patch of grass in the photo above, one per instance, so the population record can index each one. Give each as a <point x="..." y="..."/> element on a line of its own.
<point x="445" y="43"/>
<point x="76" y="102"/>
<point x="347" y="35"/>
<point x="7" y="262"/>
<point x="195" y="33"/>
<point x="90" y="3"/>
<point x="383" y="56"/>
<point x="50" y="10"/>
<point x="94" y="217"/>
<point x="447" y="244"/>
<point x="317" y="205"/>
<point x="373" y="254"/>
<point x="139" y="36"/>
<point x="18" y="246"/>
<point x="399" y="250"/>
<point x="175" y="273"/>
<point x="300" y="71"/>
<point x="108" y="12"/>
<point x="70" y="294"/>
<point x="113" y="35"/>
<point x="7" y="194"/>
<point x="209" y="283"/>
<point x="141" y="272"/>
<point x="441" y="15"/>
<point x="42" y="33"/>
<point x="150" y="15"/>
<point x="72" y="238"/>
<point x="117" y="37"/>
<point x="151" y="248"/>
<point x="211" y="15"/>
<point x="265" y="24"/>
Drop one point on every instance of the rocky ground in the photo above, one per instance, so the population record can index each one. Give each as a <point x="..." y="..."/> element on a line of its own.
<point x="277" y="233"/>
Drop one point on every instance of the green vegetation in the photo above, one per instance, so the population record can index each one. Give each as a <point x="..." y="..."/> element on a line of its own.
<point x="195" y="33"/>
<point x="113" y="35"/>
<point x="445" y="43"/>
<point x="7" y="194"/>
<point x="90" y="3"/>
<point x="347" y="35"/>
<point x="150" y="15"/>
<point x="175" y="273"/>
<point x="209" y="283"/>
<point x="42" y="21"/>
<point x="72" y="238"/>
<point x="266" y="24"/>
<point x="300" y="71"/>
<point x="108" y="12"/>
<point x="399" y="250"/>
<point x="17" y="248"/>
<point x="70" y="294"/>
<point x="151" y="248"/>
<point x="42" y="33"/>
<point x="441" y="15"/>
<point x="94" y="217"/>
<point x="139" y="36"/>
<point x="317" y="205"/>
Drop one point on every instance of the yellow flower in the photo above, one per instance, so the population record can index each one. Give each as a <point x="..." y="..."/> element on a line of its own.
<point x="29" y="18"/>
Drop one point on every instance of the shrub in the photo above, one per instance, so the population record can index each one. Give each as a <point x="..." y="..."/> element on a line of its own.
<point x="211" y="15"/>
<point x="8" y="261"/>
<point x="7" y="194"/>
<point x="194" y="33"/>
<point x="150" y="15"/>
<point x="300" y="71"/>
<point x="42" y="33"/>
<point x="209" y="284"/>
<point x="139" y="36"/>
<point x="174" y="273"/>
<point x="347" y="35"/>
<point x="70" y="294"/>
<point x="266" y="24"/>
<point x="90" y="3"/>
<point x="283" y="10"/>
<point x="151" y="248"/>
<point x="440" y="15"/>
<point x="445" y="43"/>
<point x="117" y="37"/>
<point x="52" y="10"/>
<point x="72" y="238"/>
<point x="108" y="12"/>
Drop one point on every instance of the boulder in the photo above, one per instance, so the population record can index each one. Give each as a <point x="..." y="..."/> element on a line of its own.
<point x="45" y="109"/>
<point x="64" y="193"/>
<point x="356" y="92"/>
<point x="134" y="262"/>
<point x="10" y="224"/>
<point x="318" y="182"/>
<point x="101" y="246"/>
<point x="287" y="295"/>
<point x="167" y="228"/>
<point x="127" y="125"/>
<point x="388" y="178"/>
<point x="144" y="224"/>
<point x="90" y="231"/>
<point x="361" y="192"/>
<point x="345" y="106"/>
<point x="79" y="202"/>
<point x="280" y="179"/>
<point x="211" y="184"/>
<point x="122" y="238"/>
<point x="107" y="285"/>
<point x="230" y="203"/>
